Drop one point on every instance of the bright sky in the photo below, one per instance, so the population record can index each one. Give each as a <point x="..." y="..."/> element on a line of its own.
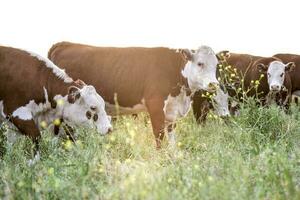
<point x="261" y="27"/>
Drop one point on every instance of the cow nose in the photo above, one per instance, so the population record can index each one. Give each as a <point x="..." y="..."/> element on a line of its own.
<point x="275" y="87"/>
<point x="213" y="86"/>
<point x="226" y="116"/>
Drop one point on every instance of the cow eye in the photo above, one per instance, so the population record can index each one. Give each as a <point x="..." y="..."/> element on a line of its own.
<point x="200" y="64"/>
<point x="281" y="75"/>
<point x="95" y="118"/>
<point x="88" y="114"/>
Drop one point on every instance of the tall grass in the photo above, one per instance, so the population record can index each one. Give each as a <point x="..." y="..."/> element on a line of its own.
<point x="253" y="156"/>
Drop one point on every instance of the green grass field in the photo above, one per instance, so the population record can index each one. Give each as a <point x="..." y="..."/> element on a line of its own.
<point x="253" y="156"/>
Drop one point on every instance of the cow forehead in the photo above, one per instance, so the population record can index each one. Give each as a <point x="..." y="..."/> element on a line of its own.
<point x="205" y="54"/>
<point x="276" y="67"/>
<point x="91" y="96"/>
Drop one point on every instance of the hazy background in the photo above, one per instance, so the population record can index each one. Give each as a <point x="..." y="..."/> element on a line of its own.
<point x="254" y="26"/>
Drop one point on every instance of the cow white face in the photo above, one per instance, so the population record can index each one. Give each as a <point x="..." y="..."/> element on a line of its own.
<point x="85" y="107"/>
<point x="200" y="70"/>
<point x="276" y="72"/>
<point x="221" y="103"/>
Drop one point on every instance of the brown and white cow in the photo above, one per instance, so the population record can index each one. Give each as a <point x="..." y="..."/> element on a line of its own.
<point x="157" y="80"/>
<point x="274" y="86"/>
<point x="293" y="75"/>
<point x="32" y="89"/>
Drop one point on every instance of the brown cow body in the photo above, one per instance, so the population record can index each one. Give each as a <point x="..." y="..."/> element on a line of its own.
<point x="22" y="80"/>
<point x="138" y="78"/>
<point x="31" y="88"/>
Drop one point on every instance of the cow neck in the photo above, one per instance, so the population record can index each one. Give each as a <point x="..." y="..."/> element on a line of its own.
<point x="57" y="86"/>
<point x="183" y="85"/>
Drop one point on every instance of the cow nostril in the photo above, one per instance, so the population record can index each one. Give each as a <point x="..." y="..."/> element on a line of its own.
<point x="275" y="87"/>
<point x="95" y="118"/>
<point x="109" y="130"/>
<point x="88" y="114"/>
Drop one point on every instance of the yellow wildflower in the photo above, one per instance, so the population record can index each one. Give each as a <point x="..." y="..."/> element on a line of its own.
<point x="57" y="122"/>
<point x="43" y="124"/>
<point x="60" y="102"/>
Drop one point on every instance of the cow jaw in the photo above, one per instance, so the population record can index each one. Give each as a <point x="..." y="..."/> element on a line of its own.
<point x="200" y="70"/>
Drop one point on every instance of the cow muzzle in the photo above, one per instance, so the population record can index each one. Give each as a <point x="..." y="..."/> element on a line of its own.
<point x="275" y="88"/>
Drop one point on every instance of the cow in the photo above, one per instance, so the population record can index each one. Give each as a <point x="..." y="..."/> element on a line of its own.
<point x="32" y="89"/>
<point x="294" y="67"/>
<point x="158" y="80"/>
<point x="260" y="77"/>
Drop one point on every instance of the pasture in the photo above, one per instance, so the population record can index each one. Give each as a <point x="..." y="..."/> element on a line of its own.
<point x="253" y="156"/>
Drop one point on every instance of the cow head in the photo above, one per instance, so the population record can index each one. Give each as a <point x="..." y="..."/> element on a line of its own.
<point x="85" y="107"/>
<point x="276" y="72"/>
<point x="220" y="103"/>
<point x="200" y="70"/>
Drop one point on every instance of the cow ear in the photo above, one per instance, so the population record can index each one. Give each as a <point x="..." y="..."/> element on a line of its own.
<point x="73" y="94"/>
<point x="80" y="83"/>
<point x="187" y="54"/>
<point x="290" y="66"/>
<point x="262" y="67"/>
<point x="223" y="55"/>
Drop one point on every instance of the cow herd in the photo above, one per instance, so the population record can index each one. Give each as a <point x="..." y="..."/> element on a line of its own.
<point x="82" y="85"/>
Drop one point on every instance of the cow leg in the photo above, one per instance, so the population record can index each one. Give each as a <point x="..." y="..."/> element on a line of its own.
<point x="157" y="116"/>
<point x="171" y="134"/>
<point x="29" y="128"/>
<point x="200" y="111"/>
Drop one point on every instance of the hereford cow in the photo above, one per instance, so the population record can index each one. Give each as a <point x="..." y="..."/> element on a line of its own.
<point x="33" y="89"/>
<point x="159" y="80"/>
<point x="294" y="76"/>
<point x="273" y="85"/>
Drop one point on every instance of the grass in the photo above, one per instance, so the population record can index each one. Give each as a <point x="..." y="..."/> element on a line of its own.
<point x="254" y="156"/>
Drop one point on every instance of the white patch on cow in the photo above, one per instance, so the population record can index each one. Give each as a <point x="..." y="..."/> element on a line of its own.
<point x="23" y="113"/>
<point x="36" y="159"/>
<point x="200" y="71"/>
<point x="60" y="73"/>
<point x="172" y="138"/>
<point x="276" y="72"/>
<point x="75" y="114"/>
<point x="177" y="107"/>
<point x="296" y="96"/>
<point x="2" y="115"/>
<point x="221" y="103"/>
<point x="296" y="93"/>
<point x="32" y="110"/>
<point x="114" y="110"/>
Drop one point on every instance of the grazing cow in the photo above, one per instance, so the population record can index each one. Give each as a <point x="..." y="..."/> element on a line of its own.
<point x="273" y="86"/>
<point x="159" y="80"/>
<point x="33" y="89"/>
